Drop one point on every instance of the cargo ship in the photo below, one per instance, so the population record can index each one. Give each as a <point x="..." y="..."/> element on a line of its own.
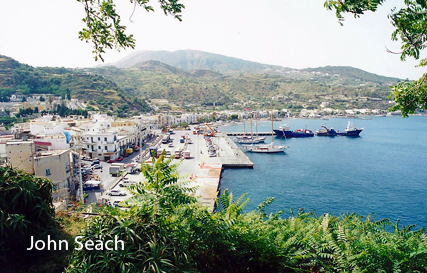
<point x="284" y="131"/>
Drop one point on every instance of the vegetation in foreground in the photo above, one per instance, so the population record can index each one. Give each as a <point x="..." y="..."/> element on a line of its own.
<point x="166" y="230"/>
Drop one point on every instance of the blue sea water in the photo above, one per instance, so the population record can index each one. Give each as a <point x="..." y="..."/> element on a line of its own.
<point x="384" y="171"/>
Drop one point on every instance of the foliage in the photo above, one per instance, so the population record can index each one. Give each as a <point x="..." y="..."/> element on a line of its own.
<point x="410" y="28"/>
<point x="25" y="210"/>
<point x="166" y="230"/>
<point x="163" y="188"/>
<point x="103" y="24"/>
<point x="26" y="112"/>
<point x="64" y="111"/>
<point x="8" y="121"/>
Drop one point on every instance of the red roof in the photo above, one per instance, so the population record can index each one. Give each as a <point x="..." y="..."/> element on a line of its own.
<point x="41" y="143"/>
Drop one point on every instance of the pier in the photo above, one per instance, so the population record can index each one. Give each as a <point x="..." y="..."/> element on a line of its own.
<point x="205" y="171"/>
<point x="248" y="134"/>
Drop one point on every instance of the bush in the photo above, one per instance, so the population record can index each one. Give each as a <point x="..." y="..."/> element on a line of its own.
<point x="26" y="210"/>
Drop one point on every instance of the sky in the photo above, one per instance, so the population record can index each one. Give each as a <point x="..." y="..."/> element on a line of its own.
<point x="290" y="33"/>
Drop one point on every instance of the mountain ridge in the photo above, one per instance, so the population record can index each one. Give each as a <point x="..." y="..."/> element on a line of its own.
<point x="199" y="60"/>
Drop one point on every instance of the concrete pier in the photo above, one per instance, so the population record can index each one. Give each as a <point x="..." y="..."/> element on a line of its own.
<point x="203" y="170"/>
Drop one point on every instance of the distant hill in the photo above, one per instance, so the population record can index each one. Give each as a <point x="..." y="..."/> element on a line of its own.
<point x="153" y="79"/>
<point x="349" y="72"/>
<point x="190" y="60"/>
<point x="188" y="78"/>
<point x="99" y="92"/>
<point x="198" y="60"/>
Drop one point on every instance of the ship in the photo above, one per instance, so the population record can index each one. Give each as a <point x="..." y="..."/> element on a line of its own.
<point x="284" y="131"/>
<point x="326" y="132"/>
<point x="350" y="131"/>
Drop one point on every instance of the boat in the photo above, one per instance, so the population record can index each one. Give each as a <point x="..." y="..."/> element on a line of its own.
<point x="284" y="131"/>
<point x="350" y="131"/>
<point x="267" y="148"/>
<point x="250" y="139"/>
<point x="326" y="132"/>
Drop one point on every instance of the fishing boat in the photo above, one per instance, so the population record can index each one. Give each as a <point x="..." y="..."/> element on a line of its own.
<point x="350" y="131"/>
<point x="267" y="148"/>
<point x="326" y="132"/>
<point x="284" y="131"/>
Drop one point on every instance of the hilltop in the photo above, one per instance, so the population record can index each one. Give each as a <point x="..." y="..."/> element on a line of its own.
<point x="198" y="60"/>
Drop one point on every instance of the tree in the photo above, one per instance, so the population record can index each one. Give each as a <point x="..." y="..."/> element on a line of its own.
<point x="103" y="24"/>
<point x="26" y="210"/>
<point x="410" y="25"/>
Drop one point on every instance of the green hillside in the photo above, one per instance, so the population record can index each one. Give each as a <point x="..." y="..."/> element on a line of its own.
<point x="95" y="90"/>
<point x="156" y="80"/>
<point x="351" y="73"/>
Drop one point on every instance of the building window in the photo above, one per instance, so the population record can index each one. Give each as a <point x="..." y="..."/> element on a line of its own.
<point x="99" y="138"/>
<point x="48" y="172"/>
<point x="99" y="147"/>
<point x="105" y="139"/>
<point x="105" y="147"/>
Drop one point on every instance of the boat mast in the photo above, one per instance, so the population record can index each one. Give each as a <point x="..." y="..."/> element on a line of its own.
<point x="252" y="136"/>
<point x="272" y="123"/>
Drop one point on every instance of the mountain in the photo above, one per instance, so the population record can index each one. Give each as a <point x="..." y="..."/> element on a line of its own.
<point x="190" y="60"/>
<point x="198" y="60"/>
<point x="153" y="79"/>
<point x="99" y="92"/>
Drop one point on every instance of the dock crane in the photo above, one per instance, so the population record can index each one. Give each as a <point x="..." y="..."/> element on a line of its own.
<point x="211" y="132"/>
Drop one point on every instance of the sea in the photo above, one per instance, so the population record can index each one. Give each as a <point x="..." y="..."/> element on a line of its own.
<point x="383" y="172"/>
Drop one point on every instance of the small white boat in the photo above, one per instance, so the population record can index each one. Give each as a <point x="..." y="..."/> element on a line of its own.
<point x="248" y="141"/>
<point x="266" y="148"/>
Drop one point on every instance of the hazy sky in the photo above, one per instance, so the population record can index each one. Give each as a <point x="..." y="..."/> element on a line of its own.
<point x="290" y="33"/>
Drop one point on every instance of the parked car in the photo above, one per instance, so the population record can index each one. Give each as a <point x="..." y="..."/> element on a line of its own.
<point x="87" y="171"/>
<point x="95" y="162"/>
<point x="111" y="161"/>
<point x="120" y="158"/>
<point x="97" y="166"/>
<point x="126" y="183"/>
<point x="116" y="193"/>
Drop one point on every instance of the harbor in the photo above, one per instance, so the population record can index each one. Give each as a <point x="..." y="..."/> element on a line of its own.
<point x="205" y="171"/>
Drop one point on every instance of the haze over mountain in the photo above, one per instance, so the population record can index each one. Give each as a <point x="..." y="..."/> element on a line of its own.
<point x="198" y="60"/>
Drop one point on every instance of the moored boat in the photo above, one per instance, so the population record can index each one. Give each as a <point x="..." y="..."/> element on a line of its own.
<point x="284" y="131"/>
<point x="326" y="132"/>
<point x="266" y="148"/>
<point x="350" y="131"/>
